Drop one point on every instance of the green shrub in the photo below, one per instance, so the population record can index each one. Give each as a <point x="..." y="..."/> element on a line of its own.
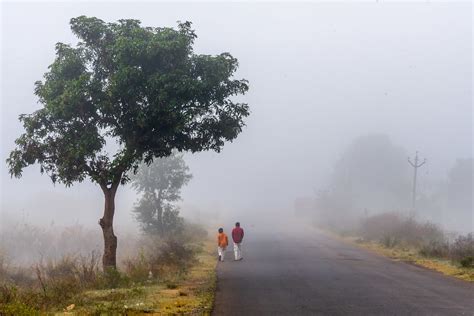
<point x="463" y="247"/>
<point x="112" y="278"/>
<point x="17" y="309"/>
<point x="8" y="293"/>
<point x="467" y="262"/>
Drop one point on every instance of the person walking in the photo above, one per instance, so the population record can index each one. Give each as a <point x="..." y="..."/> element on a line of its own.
<point x="237" y="237"/>
<point x="222" y="243"/>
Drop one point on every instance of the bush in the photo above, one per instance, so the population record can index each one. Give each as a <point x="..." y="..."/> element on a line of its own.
<point x="467" y="262"/>
<point x="3" y="265"/>
<point x="47" y="284"/>
<point x="391" y="229"/>
<point x="160" y="259"/>
<point x="84" y="270"/>
<point x="17" y="309"/>
<point x="112" y="278"/>
<point x="60" y="280"/>
<point x="463" y="248"/>
<point x="381" y="228"/>
<point x="138" y="268"/>
<point x="389" y="241"/>
<point x="430" y="232"/>
<point x="175" y="256"/>
<point x="435" y="249"/>
<point x="88" y="270"/>
<point x="7" y="293"/>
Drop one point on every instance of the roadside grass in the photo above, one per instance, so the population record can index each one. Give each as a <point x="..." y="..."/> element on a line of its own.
<point x="404" y="238"/>
<point x="192" y="294"/>
<point x="195" y="295"/>
<point x="411" y="255"/>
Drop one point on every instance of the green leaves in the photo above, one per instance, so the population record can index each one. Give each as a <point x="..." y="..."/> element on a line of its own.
<point x="142" y="87"/>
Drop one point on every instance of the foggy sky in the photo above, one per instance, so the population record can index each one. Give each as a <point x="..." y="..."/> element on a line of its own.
<point x="320" y="75"/>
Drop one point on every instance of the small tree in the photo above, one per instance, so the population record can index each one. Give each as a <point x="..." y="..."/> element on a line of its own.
<point x="160" y="184"/>
<point x="140" y="87"/>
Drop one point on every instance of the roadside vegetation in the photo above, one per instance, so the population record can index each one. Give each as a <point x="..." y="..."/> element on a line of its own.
<point x="426" y="244"/>
<point x="168" y="269"/>
<point x="431" y="226"/>
<point x="161" y="275"/>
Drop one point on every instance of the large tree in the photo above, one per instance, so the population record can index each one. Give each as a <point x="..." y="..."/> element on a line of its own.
<point x="141" y="89"/>
<point x="160" y="184"/>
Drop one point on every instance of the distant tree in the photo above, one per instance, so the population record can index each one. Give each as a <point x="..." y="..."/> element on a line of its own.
<point x="459" y="185"/>
<point x="458" y="194"/>
<point x="372" y="173"/>
<point x="140" y="88"/>
<point x="160" y="184"/>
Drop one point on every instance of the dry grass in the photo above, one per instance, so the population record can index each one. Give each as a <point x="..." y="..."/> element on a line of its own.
<point x="408" y="254"/>
<point x="425" y="244"/>
<point x="195" y="295"/>
<point x="182" y="280"/>
<point x="392" y="229"/>
<point x="192" y="294"/>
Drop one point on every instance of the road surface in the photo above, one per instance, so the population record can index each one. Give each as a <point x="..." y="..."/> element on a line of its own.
<point x="308" y="273"/>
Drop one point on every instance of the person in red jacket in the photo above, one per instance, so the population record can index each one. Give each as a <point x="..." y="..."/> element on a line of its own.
<point x="237" y="237"/>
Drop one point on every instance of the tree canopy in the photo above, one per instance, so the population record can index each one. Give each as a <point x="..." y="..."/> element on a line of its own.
<point x="160" y="184"/>
<point x="142" y="87"/>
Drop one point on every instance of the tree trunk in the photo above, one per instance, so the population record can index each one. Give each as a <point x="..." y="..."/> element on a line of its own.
<point x="159" y="214"/>
<point x="109" y="259"/>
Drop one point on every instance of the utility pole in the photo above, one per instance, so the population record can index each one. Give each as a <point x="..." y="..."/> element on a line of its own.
<point x="415" y="166"/>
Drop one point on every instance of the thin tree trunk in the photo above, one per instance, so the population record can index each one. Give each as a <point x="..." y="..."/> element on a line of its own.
<point x="109" y="259"/>
<point x="160" y="214"/>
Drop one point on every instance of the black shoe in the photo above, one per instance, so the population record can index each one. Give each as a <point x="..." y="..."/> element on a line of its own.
<point x="220" y="259"/>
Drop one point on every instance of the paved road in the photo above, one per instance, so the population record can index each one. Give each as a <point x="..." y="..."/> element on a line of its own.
<point x="308" y="273"/>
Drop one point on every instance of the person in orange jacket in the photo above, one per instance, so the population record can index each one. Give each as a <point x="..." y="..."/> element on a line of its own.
<point x="222" y="243"/>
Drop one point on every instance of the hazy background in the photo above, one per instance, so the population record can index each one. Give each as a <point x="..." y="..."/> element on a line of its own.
<point x="321" y="75"/>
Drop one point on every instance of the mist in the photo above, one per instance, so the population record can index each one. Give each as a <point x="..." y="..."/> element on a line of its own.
<point x="322" y="75"/>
